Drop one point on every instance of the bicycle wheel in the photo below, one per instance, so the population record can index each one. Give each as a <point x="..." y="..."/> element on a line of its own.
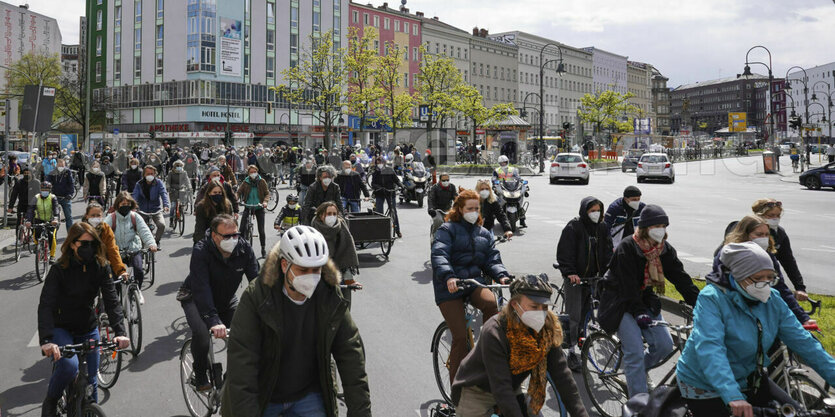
<point x="110" y="362"/>
<point x="806" y="391"/>
<point x="41" y="259"/>
<point x="92" y="410"/>
<point x="273" y="203"/>
<point x="198" y="403"/>
<point x="19" y="238"/>
<point x="553" y="401"/>
<point x="603" y="378"/>
<point x="441" y="348"/>
<point x="149" y="266"/>
<point x="134" y="316"/>
<point x="181" y="219"/>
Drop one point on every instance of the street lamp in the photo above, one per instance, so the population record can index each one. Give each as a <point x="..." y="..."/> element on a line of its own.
<point x="804" y="80"/>
<point x="560" y="69"/>
<point x="747" y="73"/>
<point x="829" y="105"/>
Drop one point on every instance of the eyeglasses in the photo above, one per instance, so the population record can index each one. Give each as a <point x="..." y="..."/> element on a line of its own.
<point x="772" y="204"/>
<point x="229" y="236"/>
<point x="770" y="282"/>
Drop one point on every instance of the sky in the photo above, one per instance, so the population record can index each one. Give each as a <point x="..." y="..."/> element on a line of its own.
<point x="687" y="40"/>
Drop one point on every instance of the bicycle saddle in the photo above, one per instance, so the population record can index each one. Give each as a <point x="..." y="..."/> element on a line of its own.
<point x="635" y="405"/>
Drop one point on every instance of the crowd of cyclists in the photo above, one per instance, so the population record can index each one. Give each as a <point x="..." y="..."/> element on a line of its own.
<point x="293" y="327"/>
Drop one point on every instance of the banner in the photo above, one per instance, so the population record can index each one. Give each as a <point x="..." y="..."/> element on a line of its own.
<point x="69" y="142"/>
<point x="231" y="47"/>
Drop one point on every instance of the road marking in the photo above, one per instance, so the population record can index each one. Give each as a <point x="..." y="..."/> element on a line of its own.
<point x="828" y="247"/>
<point x="34" y="341"/>
<point x="697" y="260"/>
<point x="820" y="250"/>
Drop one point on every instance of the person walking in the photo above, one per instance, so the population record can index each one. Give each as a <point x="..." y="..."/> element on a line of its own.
<point x="830" y="153"/>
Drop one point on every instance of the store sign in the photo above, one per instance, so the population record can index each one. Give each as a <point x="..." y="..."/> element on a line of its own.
<point x="231" y="47"/>
<point x="215" y="114"/>
<point x="183" y="127"/>
<point x="221" y="127"/>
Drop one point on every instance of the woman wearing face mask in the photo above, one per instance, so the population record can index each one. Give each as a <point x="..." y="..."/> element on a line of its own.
<point x="520" y="342"/>
<point x="772" y="210"/>
<point x="94" y="216"/>
<point x="213" y="175"/>
<point x="131" y="232"/>
<point x="95" y="184"/>
<point x="305" y="177"/>
<point x="639" y="268"/>
<point x="491" y="209"/>
<point x="66" y="313"/>
<point x="214" y="203"/>
<point x="719" y="365"/>
<point x="343" y="252"/>
<point x="583" y="251"/>
<point x="254" y="193"/>
<point x="322" y="190"/>
<point x="462" y="250"/>
<point x="178" y="185"/>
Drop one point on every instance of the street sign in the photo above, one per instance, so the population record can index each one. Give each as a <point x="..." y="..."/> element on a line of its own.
<point x="115" y="131"/>
<point x="49" y="92"/>
<point x="642" y="126"/>
<point x="424" y="112"/>
<point x="737" y="122"/>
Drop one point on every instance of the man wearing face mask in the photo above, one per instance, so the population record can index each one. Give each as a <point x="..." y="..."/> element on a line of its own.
<point x="152" y="197"/>
<point x="439" y="200"/>
<point x="384" y="185"/>
<point x="583" y="251"/>
<point x="63" y="188"/>
<point x="739" y="317"/>
<point x="25" y="191"/>
<point x="178" y="185"/>
<point x="638" y="270"/>
<point x="351" y="185"/>
<point x="324" y="189"/>
<point x="493" y="372"/>
<point x="291" y="326"/>
<point x="255" y="194"/>
<point x="131" y="176"/>
<point x="218" y="264"/>
<point x="623" y="214"/>
<point x="305" y="177"/>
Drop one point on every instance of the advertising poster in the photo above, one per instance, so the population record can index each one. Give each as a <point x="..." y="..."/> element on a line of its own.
<point x="231" y="47"/>
<point x="69" y="142"/>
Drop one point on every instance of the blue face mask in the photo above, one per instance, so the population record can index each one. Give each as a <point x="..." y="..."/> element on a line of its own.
<point x="44" y="194"/>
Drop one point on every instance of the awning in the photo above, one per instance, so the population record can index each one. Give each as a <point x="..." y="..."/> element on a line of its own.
<point x="512" y="121"/>
<point x="726" y="130"/>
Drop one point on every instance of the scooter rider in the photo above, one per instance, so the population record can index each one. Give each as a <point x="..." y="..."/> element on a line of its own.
<point x="505" y="172"/>
<point x="440" y="199"/>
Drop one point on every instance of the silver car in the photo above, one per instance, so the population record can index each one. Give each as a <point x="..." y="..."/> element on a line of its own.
<point x="655" y="166"/>
<point x="569" y="166"/>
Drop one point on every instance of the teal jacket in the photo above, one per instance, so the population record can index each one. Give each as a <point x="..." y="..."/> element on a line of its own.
<point x="722" y="350"/>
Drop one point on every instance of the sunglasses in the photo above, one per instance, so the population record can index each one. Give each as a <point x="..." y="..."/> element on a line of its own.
<point x="772" y="204"/>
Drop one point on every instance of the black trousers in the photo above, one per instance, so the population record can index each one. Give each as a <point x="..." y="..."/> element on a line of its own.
<point x="200" y="339"/>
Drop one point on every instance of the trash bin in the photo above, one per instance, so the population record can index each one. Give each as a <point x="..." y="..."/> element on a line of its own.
<point x="769" y="162"/>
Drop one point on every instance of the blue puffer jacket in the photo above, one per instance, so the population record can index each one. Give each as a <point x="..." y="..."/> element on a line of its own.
<point x="721" y="352"/>
<point x="157" y="192"/>
<point x="462" y="250"/>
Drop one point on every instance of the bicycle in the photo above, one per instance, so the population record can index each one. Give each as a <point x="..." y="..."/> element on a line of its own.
<point x="42" y="246"/>
<point x="75" y="401"/>
<point x="110" y="193"/>
<point x="75" y="182"/>
<point x="179" y="216"/>
<point x="148" y="257"/>
<point x="248" y="232"/>
<point x="131" y="297"/>
<point x="272" y="203"/>
<point x="601" y="362"/>
<point x="23" y="238"/>
<point x="110" y="361"/>
<point x="202" y="404"/>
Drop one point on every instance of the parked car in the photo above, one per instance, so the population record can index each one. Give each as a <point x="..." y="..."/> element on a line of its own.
<point x="569" y="166"/>
<point x="630" y="160"/>
<point x="816" y="178"/>
<point x="655" y="166"/>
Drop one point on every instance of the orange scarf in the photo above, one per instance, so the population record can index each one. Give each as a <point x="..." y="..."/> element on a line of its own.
<point x="527" y="353"/>
<point x="653" y="271"/>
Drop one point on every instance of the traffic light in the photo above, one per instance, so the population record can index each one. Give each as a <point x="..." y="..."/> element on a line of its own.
<point x="152" y="134"/>
<point x="566" y="125"/>
<point x="794" y="123"/>
<point x="227" y="137"/>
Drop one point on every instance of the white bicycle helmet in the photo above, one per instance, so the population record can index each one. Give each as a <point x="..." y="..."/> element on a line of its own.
<point x="409" y="158"/>
<point x="503" y="159"/>
<point x="304" y="246"/>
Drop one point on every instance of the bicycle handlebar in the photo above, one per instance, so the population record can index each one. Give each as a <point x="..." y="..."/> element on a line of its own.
<point x="467" y="283"/>
<point x="787" y="410"/>
<point x="69" y="351"/>
<point x="352" y="287"/>
<point x="816" y="305"/>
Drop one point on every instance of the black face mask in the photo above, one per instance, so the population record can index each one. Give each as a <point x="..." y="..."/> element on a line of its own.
<point x="217" y="199"/>
<point x="87" y="251"/>
<point x="123" y="210"/>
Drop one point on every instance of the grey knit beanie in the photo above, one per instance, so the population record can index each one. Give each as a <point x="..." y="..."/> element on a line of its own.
<point x="745" y="259"/>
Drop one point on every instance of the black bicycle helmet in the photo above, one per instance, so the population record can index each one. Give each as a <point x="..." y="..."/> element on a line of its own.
<point x="46" y="185"/>
<point x="534" y="287"/>
<point x="292" y="197"/>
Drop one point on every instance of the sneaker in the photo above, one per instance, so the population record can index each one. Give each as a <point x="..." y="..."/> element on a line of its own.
<point x="51" y="260"/>
<point x="399" y="235"/>
<point x="522" y="224"/>
<point x="574" y="362"/>
<point x="201" y="384"/>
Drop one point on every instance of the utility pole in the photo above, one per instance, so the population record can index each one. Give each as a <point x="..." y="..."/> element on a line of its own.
<point x="5" y="163"/>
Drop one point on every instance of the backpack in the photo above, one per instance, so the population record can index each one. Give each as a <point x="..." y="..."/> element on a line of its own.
<point x="132" y="220"/>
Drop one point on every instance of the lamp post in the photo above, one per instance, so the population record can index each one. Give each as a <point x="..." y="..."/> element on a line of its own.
<point x="823" y="119"/>
<point x="829" y="104"/>
<point x="804" y="80"/>
<point x="747" y="72"/>
<point x="560" y="70"/>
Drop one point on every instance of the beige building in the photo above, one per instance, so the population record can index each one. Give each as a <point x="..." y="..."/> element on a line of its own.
<point x="639" y="83"/>
<point x="493" y="66"/>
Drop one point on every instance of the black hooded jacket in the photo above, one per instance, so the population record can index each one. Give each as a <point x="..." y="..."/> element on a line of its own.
<point x="585" y="248"/>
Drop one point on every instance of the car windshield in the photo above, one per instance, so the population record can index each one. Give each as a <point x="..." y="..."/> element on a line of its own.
<point x="654" y="159"/>
<point x="634" y="154"/>
<point x="569" y="158"/>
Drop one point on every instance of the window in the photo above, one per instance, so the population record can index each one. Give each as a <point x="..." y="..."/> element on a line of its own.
<point x="481" y="69"/>
<point x="294" y="15"/>
<point x="137" y="67"/>
<point x="414" y="54"/>
<point x="317" y="17"/>
<point x="117" y="16"/>
<point x="98" y="19"/>
<point x="137" y="11"/>
<point x="137" y="39"/>
<point x="117" y="69"/>
<point x="117" y="42"/>
<point x="270" y="67"/>
<point x="294" y="43"/>
<point x="406" y="27"/>
<point x="98" y="45"/>
<point x="270" y="39"/>
<point x="406" y="79"/>
<point x="415" y="29"/>
<point x="488" y="71"/>
<point x="365" y="18"/>
<point x="98" y="72"/>
<point x="386" y="23"/>
<point x="271" y="13"/>
<point x="376" y="21"/>
<point x="465" y="54"/>
<point x="159" y="64"/>
<point x="160" y="35"/>
<point x="459" y="52"/>
<point x="160" y="7"/>
<point x="397" y="26"/>
<point x="355" y="16"/>
<point x="406" y="54"/>
<point x="377" y="46"/>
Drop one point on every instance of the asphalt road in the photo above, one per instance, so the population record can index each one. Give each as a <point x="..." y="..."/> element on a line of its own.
<point x="395" y="312"/>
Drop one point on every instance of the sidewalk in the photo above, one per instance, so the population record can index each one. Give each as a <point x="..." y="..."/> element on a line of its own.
<point x="786" y="174"/>
<point x="6" y="238"/>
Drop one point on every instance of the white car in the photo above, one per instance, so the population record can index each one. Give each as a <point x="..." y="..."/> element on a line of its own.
<point x="655" y="166"/>
<point x="569" y="166"/>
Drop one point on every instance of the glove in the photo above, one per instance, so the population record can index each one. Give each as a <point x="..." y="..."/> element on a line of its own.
<point x="431" y="212"/>
<point x="643" y="321"/>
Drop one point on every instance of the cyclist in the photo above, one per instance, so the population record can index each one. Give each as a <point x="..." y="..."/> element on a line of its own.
<point x="148" y="194"/>
<point x="622" y="215"/>
<point x="638" y="270"/>
<point x="491" y="209"/>
<point x="341" y="248"/>
<point x="131" y="176"/>
<point x="254" y="194"/>
<point x="94" y="216"/>
<point x="439" y="199"/>
<point x="772" y="210"/>
<point x="721" y="365"/>
<point x="178" y="185"/>
<point x="110" y="173"/>
<point x="583" y="251"/>
<point x="213" y="204"/>
<point x="131" y="232"/>
<point x="506" y="172"/>
<point x="66" y="311"/>
<point x="289" y="214"/>
<point x="214" y="175"/>
<point x="63" y="188"/>
<point x="290" y="372"/>
<point x="351" y="185"/>
<point x="384" y="183"/>
<point x="45" y="210"/>
<point x="306" y="177"/>
<point x="95" y="185"/>
<point x="25" y="191"/>
<point x="322" y="190"/>
<point x="218" y="263"/>
<point x="522" y="340"/>
<point x="78" y="164"/>
<point x="463" y="249"/>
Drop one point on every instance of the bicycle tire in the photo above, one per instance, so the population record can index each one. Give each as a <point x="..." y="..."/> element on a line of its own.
<point x="806" y="391"/>
<point x="18" y="242"/>
<point x="553" y="395"/>
<point x="197" y="403"/>
<point x="181" y="219"/>
<point x="134" y="319"/>
<point x="273" y="203"/>
<point x="92" y="410"/>
<point x="605" y="385"/>
<point x="110" y="365"/>
<point x="440" y="359"/>
<point x="149" y="267"/>
<point x="41" y="259"/>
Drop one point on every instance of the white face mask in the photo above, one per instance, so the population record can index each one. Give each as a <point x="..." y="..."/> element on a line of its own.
<point x="96" y="170"/>
<point x="216" y="179"/>
<point x="346" y="171"/>
<point x="94" y="221"/>
<point x="594" y="216"/>
<point x="773" y="223"/>
<point x="533" y="319"/>
<point x="330" y="221"/>
<point x="179" y="169"/>
<point x="326" y="181"/>
<point x="149" y="178"/>
<point x="253" y="175"/>
<point x="380" y="166"/>
<point x="471" y="217"/>
<point x="134" y="166"/>
<point x="658" y="234"/>
<point x="762" y="242"/>
<point x="305" y="284"/>
<point x="228" y="245"/>
<point x="484" y="194"/>
<point x="445" y="183"/>
<point x="759" y="294"/>
<point x="61" y="169"/>
<point x="634" y="204"/>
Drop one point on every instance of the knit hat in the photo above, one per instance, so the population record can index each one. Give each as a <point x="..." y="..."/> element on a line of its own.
<point x="212" y="170"/>
<point x="631" y="191"/>
<point x="653" y="215"/>
<point x="745" y="259"/>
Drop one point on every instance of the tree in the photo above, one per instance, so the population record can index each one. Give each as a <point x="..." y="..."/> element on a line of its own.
<point x="69" y="105"/>
<point x="396" y="104"/>
<point x="361" y="62"/>
<point x="438" y="83"/>
<point x="605" y="109"/>
<point x="34" y="68"/>
<point x="472" y="107"/>
<point x="318" y="81"/>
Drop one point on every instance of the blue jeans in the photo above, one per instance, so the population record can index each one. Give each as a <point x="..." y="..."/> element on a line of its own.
<point x="350" y="206"/>
<point x="66" y="368"/>
<point x="636" y="360"/>
<point x="66" y="205"/>
<point x="312" y="405"/>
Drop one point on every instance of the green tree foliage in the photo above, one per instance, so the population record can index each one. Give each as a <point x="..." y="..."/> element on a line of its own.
<point x="396" y="104"/>
<point x="361" y="61"/>
<point x="32" y="69"/>
<point x="471" y="106"/>
<point x="438" y="84"/>
<point x="605" y="110"/>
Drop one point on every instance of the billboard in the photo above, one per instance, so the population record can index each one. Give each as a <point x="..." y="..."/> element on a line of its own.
<point x="231" y="47"/>
<point x="737" y="122"/>
<point x="69" y="142"/>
